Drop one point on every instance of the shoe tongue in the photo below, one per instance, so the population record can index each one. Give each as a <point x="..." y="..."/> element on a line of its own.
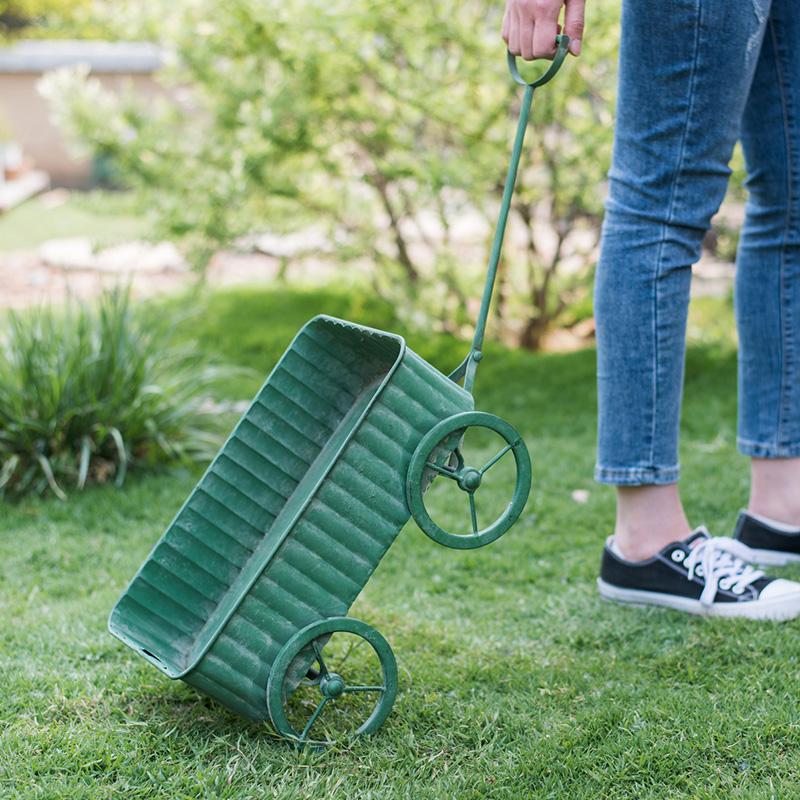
<point x="696" y="536"/>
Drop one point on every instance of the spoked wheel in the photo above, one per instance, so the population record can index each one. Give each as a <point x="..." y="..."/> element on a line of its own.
<point x="315" y="698"/>
<point x="440" y="455"/>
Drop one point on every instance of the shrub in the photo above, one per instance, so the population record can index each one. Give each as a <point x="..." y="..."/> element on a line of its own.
<point x="88" y="392"/>
<point x="385" y="129"/>
<point x="37" y="17"/>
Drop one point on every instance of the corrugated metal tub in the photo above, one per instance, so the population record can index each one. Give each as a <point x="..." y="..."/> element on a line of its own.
<point x="290" y="520"/>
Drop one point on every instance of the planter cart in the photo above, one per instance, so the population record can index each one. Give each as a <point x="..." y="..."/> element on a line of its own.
<point x="259" y="567"/>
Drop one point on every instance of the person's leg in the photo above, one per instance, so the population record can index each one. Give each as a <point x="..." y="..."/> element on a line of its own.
<point x="768" y="275"/>
<point x="685" y="74"/>
<point x="775" y="489"/>
<point x="648" y="517"/>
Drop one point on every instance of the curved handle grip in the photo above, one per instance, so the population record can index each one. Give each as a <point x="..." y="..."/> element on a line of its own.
<point x="562" y="42"/>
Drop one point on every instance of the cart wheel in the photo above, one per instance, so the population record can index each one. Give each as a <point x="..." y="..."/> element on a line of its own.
<point x="308" y="644"/>
<point x="439" y="454"/>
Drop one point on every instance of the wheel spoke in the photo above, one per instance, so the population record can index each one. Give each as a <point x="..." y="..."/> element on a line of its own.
<point x="473" y="512"/>
<point x="364" y="689"/>
<point x="323" y="669"/>
<point x="492" y="461"/>
<point x="313" y="718"/>
<point x="448" y="473"/>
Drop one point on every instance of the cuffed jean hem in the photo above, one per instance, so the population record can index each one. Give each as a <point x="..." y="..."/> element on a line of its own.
<point x="767" y="450"/>
<point x="636" y="476"/>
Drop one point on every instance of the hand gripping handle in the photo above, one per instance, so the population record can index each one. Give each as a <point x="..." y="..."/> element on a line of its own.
<point x="562" y="48"/>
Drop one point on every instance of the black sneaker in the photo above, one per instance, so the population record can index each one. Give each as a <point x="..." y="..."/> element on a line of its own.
<point x="702" y="574"/>
<point x="770" y="545"/>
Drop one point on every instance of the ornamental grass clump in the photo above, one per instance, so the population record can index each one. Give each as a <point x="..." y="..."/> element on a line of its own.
<point x="89" y="392"/>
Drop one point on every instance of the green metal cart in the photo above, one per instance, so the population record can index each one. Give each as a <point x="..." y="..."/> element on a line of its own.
<point x="260" y="565"/>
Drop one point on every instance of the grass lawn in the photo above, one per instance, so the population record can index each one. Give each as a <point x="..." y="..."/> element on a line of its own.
<point x="517" y="681"/>
<point x="107" y="218"/>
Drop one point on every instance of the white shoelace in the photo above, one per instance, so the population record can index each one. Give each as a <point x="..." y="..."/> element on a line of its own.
<point x="723" y="563"/>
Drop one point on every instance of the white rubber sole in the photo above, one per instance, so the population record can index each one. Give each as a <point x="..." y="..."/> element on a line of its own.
<point x="779" y="609"/>
<point x="774" y="558"/>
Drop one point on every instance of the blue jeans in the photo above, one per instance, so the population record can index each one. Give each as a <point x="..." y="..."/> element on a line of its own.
<point x="695" y="76"/>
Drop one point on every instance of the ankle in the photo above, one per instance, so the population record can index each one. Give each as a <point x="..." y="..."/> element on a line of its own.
<point x="774" y="489"/>
<point x="639" y="544"/>
<point x="648" y="518"/>
<point x="784" y="512"/>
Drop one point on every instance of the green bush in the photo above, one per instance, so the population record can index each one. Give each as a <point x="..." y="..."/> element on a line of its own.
<point x="86" y="393"/>
<point x="35" y="17"/>
<point x="385" y="128"/>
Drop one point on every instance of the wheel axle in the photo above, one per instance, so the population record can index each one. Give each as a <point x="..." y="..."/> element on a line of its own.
<point x="332" y="685"/>
<point x="470" y="479"/>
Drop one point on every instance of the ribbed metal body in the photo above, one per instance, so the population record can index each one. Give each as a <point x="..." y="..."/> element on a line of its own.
<point x="292" y="516"/>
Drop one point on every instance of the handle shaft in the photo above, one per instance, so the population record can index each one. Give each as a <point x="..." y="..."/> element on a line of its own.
<point x="469" y="366"/>
<point x="502" y="219"/>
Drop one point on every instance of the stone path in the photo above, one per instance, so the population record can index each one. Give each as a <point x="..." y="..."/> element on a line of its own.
<point x="26" y="278"/>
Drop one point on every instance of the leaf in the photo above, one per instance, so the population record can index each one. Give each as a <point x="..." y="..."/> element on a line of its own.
<point x="86" y="454"/>
<point x="7" y="472"/>
<point x="51" y="479"/>
<point x="122" y="468"/>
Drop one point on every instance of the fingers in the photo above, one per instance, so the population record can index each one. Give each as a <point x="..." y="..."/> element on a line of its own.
<point x="544" y="37"/>
<point x="526" y="37"/>
<point x="513" y="32"/>
<point x="530" y="26"/>
<point x="573" y="24"/>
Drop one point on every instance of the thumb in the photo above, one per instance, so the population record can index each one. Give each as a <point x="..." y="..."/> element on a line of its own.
<point x="573" y="23"/>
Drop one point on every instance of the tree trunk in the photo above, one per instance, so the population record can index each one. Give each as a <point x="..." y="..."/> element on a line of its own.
<point x="533" y="333"/>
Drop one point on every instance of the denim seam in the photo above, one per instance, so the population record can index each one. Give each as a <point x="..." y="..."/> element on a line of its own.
<point x="754" y="443"/>
<point x="637" y="475"/>
<point x="785" y="328"/>
<point x="767" y="450"/>
<point x="787" y="338"/>
<point x="665" y="226"/>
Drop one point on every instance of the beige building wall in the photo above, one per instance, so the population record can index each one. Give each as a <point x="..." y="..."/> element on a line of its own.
<point x="26" y="114"/>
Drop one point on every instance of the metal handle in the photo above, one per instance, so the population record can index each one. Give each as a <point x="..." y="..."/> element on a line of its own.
<point x="562" y="48"/>
<point x="467" y="368"/>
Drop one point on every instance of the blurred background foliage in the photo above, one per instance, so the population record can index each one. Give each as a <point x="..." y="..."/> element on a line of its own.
<point x="376" y="134"/>
<point x="41" y="17"/>
<point x="384" y="128"/>
<point x="79" y="19"/>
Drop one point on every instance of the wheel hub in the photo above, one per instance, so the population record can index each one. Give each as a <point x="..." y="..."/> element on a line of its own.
<point x="332" y="685"/>
<point x="470" y="479"/>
